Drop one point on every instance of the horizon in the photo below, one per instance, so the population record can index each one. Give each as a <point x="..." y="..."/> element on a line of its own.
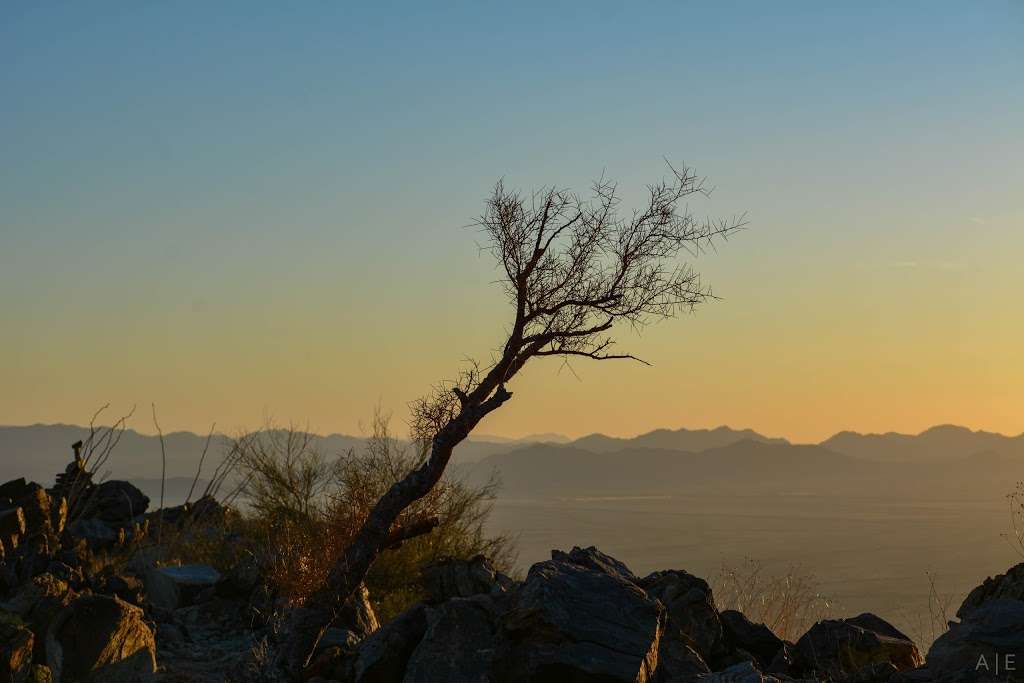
<point x="570" y="438"/>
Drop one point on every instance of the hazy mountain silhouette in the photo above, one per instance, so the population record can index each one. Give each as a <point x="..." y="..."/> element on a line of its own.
<point x="678" y="440"/>
<point x="944" y="442"/>
<point x="941" y="459"/>
<point x="39" y="451"/>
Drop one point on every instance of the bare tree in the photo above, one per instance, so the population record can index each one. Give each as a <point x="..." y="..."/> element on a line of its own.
<point x="573" y="268"/>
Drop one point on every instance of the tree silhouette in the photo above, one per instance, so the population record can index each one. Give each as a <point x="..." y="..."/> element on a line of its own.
<point x="574" y="267"/>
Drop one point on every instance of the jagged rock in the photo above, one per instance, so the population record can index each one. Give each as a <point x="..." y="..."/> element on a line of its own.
<point x="677" y="660"/>
<point x="460" y="643"/>
<point x="593" y="558"/>
<point x="990" y="630"/>
<point x="574" y="622"/>
<point x="691" y="608"/>
<point x="169" y="588"/>
<point x="757" y="639"/>
<point x="383" y="655"/>
<point x="16" y="646"/>
<point x="116" y="503"/>
<point x="839" y="647"/>
<point x="100" y="638"/>
<point x="456" y="578"/>
<point x="1003" y="586"/>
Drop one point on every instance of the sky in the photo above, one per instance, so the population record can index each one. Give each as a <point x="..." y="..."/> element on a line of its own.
<point x="247" y="210"/>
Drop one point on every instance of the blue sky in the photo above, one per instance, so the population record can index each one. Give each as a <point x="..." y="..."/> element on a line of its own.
<point x="284" y="187"/>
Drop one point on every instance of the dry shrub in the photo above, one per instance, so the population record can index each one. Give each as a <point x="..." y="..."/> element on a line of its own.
<point x="787" y="603"/>
<point x="306" y="508"/>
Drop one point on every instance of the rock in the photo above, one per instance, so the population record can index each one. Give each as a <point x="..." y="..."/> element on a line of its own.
<point x="116" y="502"/>
<point x="16" y="647"/>
<point x="13" y="490"/>
<point x="572" y="622"/>
<point x="691" y="608"/>
<point x="455" y="578"/>
<point x="339" y="637"/>
<point x="744" y="672"/>
<point x="100" y="638"/>
<point x="593" y="558"/>
<point x="382" y="656"/>
<point x="841" y="647"/>
<point x="989" y="632"/>
<point x="127" y="588"/>
<point x="460" y="643"/>
<point x="97" y="534"/>
<point x="12" y="524"/>
<point x="357" y="614"/>
<point x="169" y="588"/>
<point x="1004" y="586"/>
<point x="757" y="639"/>
<point x="38" y="603"/>
<point x="677" y="660"/>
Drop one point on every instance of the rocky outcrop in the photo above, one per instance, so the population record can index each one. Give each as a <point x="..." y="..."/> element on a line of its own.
<point x="461" y="642"/>
<point x="844" y="647"/>
<point x="757" y="639"/>
<point x="691" y="609"/>
<point x="980" y="643"/>
<point x="1008" y="586"/>
<point x="100" y="638"/>
<point x="569" y="621"/>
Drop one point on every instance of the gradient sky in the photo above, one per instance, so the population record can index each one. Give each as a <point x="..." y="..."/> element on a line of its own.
<point x="258" y="209"/>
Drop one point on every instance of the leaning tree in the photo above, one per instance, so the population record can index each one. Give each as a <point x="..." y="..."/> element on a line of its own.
<point x="574" y="267"/>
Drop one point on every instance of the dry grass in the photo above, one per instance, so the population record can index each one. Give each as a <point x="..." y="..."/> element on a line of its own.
<point x="787" y="603"/>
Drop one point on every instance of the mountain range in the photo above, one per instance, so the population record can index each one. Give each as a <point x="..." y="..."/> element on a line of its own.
<point x="944" y="458"/>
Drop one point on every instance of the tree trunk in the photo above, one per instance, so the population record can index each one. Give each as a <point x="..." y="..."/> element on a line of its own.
<point x="310" y="621"/>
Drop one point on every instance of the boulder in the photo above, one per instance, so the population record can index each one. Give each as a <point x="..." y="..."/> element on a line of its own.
<point x="573" y="622"/>
<point x="456" y="578"/>
<point x="169" y="588"/>
<point x="980" y="643"/>
<point x="100" y="638"/>
<point x="116" y="503"/>
<point x="460" y="644"/>
<point x="592" y="558"/>
<point x="12" y="524"/>
<point x="382" y="657"/>
<point x="691" y="608"/>
<point x="841" y="647"/>
<point x="1004" y="586"/>
<point x="16" y="647"/>
<point x="757" y="639"/>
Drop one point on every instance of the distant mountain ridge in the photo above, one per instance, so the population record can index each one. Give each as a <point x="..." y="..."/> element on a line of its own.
<point x="664" y="458"/>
